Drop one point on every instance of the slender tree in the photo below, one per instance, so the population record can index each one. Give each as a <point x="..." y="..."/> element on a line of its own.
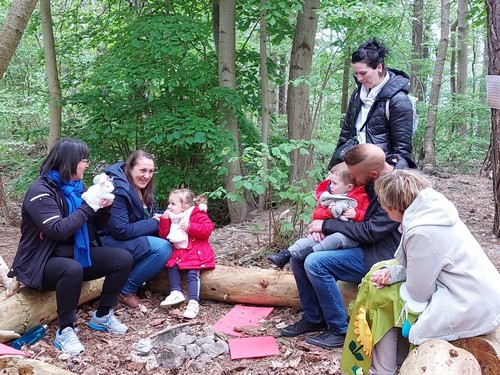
<point x="227" y="79"/>
<point x="55" y="109"/>
<point x="264" y="90"/>
<point x="300" y="125"/>
<point x="417" y="40"/>
<point x="493" y="12"/>
<point x="462" y="64"/>
<point x="429" y="161"/>
<point x="13" y="28"/>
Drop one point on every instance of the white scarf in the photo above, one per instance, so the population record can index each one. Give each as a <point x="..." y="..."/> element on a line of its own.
<point x="367" y="98"/>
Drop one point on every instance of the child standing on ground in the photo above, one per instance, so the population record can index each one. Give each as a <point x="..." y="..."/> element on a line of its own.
<point x="186" y="225"/>
<point x="339" y="189"/>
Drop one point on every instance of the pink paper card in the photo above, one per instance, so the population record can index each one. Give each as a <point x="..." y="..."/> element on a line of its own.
<point x="7" y="350"/>
<point x="241" y="316"/>
<point x="253" y="347"/>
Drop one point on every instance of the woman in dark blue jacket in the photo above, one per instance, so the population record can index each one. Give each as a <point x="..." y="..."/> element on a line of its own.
<point x="380" y="111"/>
<point x="133" y="224"/>
<point x="60" y="248"/>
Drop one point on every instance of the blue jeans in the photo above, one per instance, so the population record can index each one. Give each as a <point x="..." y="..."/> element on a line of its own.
<point x="316" y="277"/>
<point x="149" y="264"/>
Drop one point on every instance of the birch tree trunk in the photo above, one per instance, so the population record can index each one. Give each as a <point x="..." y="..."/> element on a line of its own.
<point x="300" y="125"/>
<point x="429" y="161"/>
<point x="227" y="79"/>
<point x="13" y="28"/>
<point x="52" y="75"/>
<point x="4" y="209"/>
<point x="493" y="11"/>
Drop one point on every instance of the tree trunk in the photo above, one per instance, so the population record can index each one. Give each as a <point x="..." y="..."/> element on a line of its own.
<point x="13" y="28"/>
<point x="215" y="24"/>
<point x="346" y="79"/>
<point x="238" y="210"/>
<point x="462" y="66"/>
<point x="52" y="75"/>
<point x="453" y="60"/>
<point x="265" y="95"/>
<point x="437" y="79"/>
<point x="493" y="11"/>
<point x="486" y="349"/>
<point x="4" y="209"/>
<point x="417" y="40"/>
<point x="300" y="125"/>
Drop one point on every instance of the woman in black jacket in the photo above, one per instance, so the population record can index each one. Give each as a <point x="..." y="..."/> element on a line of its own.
<point x="379" y="111"/>
<point x="60" y="248"/>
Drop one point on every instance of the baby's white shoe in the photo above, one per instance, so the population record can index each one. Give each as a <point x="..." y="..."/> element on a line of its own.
<point x="173" y="298"/>
<point x="192" y="309"/>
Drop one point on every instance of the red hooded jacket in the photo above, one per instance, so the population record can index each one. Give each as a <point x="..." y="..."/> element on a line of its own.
<point x="199" y="254"/>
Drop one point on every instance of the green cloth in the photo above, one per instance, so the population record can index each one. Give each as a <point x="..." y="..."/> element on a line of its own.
<point x="383" y="308"/>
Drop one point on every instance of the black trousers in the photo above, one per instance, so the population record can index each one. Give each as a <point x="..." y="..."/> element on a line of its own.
<point x="65" y="275"/>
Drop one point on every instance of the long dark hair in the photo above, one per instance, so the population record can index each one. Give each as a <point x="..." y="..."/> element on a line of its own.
<point x="147" y="192"/>
<point x="371" y="53"/>
<point x="64" y="157"/>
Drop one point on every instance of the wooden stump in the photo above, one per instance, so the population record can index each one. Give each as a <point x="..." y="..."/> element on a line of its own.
<point x="486" y="349"/>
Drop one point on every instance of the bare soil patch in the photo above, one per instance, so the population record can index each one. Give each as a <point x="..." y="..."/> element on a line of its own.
<point x="242" y="244"/>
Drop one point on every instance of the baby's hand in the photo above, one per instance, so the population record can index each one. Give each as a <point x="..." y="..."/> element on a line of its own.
<point x="166" y="214"/>
<point x="381" y="277"/>
<point x="350" y="213"/>
<point x="184" y="225"/>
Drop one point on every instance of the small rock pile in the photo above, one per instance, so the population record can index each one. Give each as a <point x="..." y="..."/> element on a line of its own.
<point x="171" y="349"/>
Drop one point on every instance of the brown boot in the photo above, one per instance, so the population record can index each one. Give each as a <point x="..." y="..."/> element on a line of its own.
<point x="130" y="300"/>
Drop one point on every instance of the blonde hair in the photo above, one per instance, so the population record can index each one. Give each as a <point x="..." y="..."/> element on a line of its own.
<point x="342" y="171"/>
<point x="397" y="190"/>
<point x="188" y="199"/>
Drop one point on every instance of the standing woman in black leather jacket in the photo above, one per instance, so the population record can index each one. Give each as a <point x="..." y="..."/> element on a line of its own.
<point x="366" y="118"/>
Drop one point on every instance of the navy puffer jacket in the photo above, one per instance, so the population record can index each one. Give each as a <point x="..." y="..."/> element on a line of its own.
<point x="394" y="136"/>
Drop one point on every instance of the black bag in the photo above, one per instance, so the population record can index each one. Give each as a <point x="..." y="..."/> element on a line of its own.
<point x="338" y="154"/>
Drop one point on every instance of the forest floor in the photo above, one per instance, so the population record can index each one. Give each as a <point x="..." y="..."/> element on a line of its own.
<point x="111" y="354"/>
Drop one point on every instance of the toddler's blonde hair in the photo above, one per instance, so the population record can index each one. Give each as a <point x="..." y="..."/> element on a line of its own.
<point x="188" y="198"/>
<point x="342" y="171"/>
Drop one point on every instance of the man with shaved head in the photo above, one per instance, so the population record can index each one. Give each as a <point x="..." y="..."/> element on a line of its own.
<point x="378" y="238"/>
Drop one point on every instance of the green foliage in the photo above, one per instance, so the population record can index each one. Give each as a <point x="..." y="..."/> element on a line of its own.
<point x="267" y="172"/>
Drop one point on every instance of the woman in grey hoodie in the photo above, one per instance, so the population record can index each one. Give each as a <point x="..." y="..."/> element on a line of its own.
<point x="444" y="268"/>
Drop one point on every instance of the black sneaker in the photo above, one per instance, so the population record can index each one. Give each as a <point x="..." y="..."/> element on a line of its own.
<point x="280" y="259"/>
<point x="327" y="339"/>
<point x="301" y="327"/>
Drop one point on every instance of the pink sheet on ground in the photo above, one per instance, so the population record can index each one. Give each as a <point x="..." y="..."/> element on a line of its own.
<point x="253" y="347"/>
<point x="241" y="316"/>
<point x="7" y="350"/>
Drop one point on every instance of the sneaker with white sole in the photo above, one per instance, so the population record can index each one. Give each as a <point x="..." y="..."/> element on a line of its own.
<point x="192" y="309"/>
<point x="68" y="342"/>
<point x="108" y="322"/>
<point x="175" y="297"/>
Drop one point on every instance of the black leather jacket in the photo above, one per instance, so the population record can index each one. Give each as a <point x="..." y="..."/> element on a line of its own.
<point x="394" y="136"/>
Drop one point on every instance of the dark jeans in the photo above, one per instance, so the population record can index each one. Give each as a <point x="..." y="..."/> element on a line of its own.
<point x="192" y="278"/>
<point x="66" y="275"/>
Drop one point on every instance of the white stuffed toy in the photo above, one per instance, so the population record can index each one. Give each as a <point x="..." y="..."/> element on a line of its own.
<point x="101" y="189"/>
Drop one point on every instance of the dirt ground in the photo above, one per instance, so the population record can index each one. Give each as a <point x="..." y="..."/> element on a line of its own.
<point x="110" y="354"/>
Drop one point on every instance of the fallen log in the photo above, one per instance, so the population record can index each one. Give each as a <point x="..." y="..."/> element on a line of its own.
<point x="254" y="286"/>
<point x="21" y="365"/>
<point x="30" y="307"/>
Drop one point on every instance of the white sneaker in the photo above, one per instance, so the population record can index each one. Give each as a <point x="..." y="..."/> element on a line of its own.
<point x="68" y="342"/>
<point x="192" y="309"/>
<point x="108" y="322"/>
<point x="173" y="298"/>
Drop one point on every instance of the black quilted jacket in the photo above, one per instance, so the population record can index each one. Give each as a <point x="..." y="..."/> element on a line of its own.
<point x="394" y="136"/>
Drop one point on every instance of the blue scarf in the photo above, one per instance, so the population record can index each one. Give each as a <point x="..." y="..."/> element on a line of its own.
<point x="72" y="191"/>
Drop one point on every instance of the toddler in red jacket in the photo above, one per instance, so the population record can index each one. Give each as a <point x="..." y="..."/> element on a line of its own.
<point x="186" y="225"/>
<point x="339" y="197"/>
